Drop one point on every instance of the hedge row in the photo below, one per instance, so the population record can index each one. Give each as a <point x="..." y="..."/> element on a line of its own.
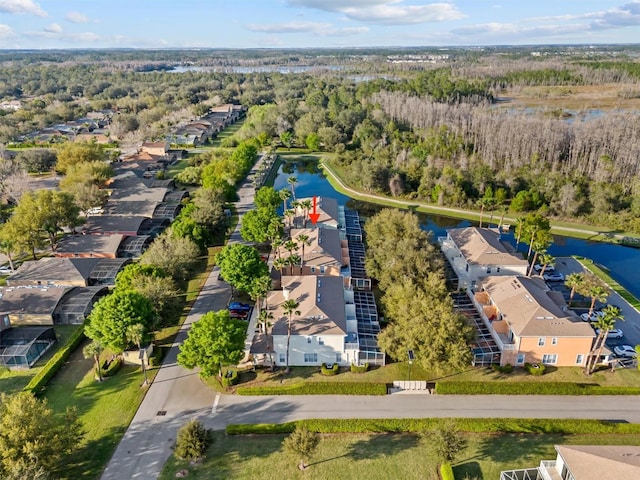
<point x="531" y="388"/>
<point x="359" y="368"/>
<point x="446" y="472"/>
<point x="473" y="425"/>
<point x="335" y="368"/>
<point x="230" y="378"/>
<point x="112" y="368"/>
<point x="40" y="380"/>
<point x="319" y="388"/>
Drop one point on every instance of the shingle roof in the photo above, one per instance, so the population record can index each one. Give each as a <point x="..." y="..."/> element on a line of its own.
<point x="78" y="244"/>
<point x="115" y="223"/>
<point x="54" y="269"/>
<point x="325" y="247"/>
<point x="322" y="310"/>
<point x="596" y="462"/>
<point x="482" y="246"/>
<point x="31" y="301"/>
<point x="531" y="309"/>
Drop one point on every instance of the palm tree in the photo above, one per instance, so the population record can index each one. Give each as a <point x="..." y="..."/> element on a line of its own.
<point x="296" y="206"/>
<point x="575" y="281"/>
<point x="264" y="320"/>
<point x="290" y="246"/>
<point x="291" y="215"/>
<point x="304" y="240"/>
<point x="260" y="287"/>
<point x="293" y="260"/>
<point x="605" y="323"/>
<point x="284" y="196"/>
<point x="306" y="205"/>
<point x="546" y="260"/>
<point x="292" y="181"/>
<point x="520" y="227"/>
<point x="275" y="246"/>
<point x="290" y="308"/>
<point x="279" y="264"/>
<point x="93" y="350"/>
<point x="598" y="292"/>
<point x="135" y="333"/>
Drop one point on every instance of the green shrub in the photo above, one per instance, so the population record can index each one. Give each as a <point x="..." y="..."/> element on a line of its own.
<point x="156" y="357"/>
<point x="534" y="368"/>
<point x="192" y="441"/>
<point x="359" y="368"/>
<point x="113" y="367"/>
<point x="319" y="388"/>
<point x="230" y="377"/>
<point x="508" y="368"/>
<point x="531" y="388"/>
<point x="471" y="425"/>
<point x="335" y="368"/>
<point x="446" y="472"/>
<point x="40" y="380"/>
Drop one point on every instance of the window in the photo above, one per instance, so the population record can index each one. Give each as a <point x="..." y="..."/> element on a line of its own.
<point x="554" y="341"/>
<point x="579" y="359"/>
<point x="466" y="268"/>
<point x="282" y="358"/>
<point x="550" y="358"/>
<point x="321" y="269"/>
<point x="338" y="358"/>
<point x="520" y="359"/>
<point x="497" y="269"/>
<point x="308" y="339"/>
<point x="313" y="269"/>
<point x="320" y="341"/>
<point x="310" y="358"/>
<point x="488" y="269"/>
<point x="541" y="342"/>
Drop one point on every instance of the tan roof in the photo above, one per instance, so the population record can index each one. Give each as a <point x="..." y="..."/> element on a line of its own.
<point x="54" y="269"/>
<point x="482" y="246"/>
<point x="31" y="301"/>
<point x="327" y="207"/>
<point x="597" y="462"/>
<point x="321" y="307"/>
<point x="79" y="244"/>
<point x="531" y="309"/>
<point x="325" y="247"/>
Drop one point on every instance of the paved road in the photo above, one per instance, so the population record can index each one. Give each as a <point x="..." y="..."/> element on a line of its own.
<point x="176" y="394"/>
<point x="237" y="409"/>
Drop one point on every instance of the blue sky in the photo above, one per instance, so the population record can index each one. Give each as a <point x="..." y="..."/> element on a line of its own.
<point x="312" y="23"/>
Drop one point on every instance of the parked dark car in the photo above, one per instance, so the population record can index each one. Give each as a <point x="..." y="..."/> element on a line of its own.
<point x="242" y="314"/>
<point x="239" y="306"/>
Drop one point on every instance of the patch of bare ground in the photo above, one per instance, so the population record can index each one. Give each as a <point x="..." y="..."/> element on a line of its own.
<point x="581" y="97"/>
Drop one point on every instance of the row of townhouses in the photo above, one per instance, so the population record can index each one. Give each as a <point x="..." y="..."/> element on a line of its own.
<point x="337" y="321"/>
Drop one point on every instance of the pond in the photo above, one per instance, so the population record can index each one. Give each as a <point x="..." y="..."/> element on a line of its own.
<point x="622" y="262"/>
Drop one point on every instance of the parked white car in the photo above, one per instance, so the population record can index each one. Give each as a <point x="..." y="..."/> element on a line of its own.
<point x="4" y="270"/>
<point x="625" y="351"/>
<point x="553" y="277"/>
<point x="595" y="316"/>
<point x="538" y="268"/>
<point x="95" y="211"/>
<point x="615" y="333"/>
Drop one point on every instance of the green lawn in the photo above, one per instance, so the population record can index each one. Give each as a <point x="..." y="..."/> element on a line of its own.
<point x="400" y="371"/>
<point x="376" y="456"/>
<point x="12" y="381"/>
<point x="105" y="409"/>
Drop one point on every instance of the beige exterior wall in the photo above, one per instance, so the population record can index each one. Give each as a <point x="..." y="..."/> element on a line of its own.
<point x="333" y="271"/>
<point x="36" y="283"/>
<point x="567" y="349"/>
<point x="24" y="320"/>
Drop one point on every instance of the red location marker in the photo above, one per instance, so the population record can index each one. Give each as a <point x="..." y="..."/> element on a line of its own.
<point x="314" y="216"/>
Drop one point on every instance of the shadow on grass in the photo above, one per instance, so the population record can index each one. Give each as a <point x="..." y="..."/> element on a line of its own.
<point x="524" y="449"/>
<point x="382" y="445"/>
<point x="89" y="460"/>
<point x="470" y="470"/>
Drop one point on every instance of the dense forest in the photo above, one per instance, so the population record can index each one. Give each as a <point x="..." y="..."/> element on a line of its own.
<point x="434" y="125"/>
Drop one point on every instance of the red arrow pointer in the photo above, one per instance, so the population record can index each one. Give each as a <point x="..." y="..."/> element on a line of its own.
<point x="315" y="215"/>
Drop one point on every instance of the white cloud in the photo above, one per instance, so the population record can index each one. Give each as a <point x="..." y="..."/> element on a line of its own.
<point x="390" y="12"/>
<point x="5" y="31"/>
<point x="314" y="28"/>
<point x="53" y="28"/>
<point x="87" y="37"/>
<point x="76" y="17"/>
<point x="22" y="6"/>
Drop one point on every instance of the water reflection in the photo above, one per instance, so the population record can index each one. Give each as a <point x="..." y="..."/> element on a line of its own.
<point x="622" y="262"/>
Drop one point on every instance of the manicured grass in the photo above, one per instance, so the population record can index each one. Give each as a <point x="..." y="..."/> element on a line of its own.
<point x="227" y="132"/>
<point x="377" y="456"/>
<point x="105" y="409"/>
<point x="12" y="381"/>
<point x="628" y="377"/>
<point x="177" y="167"/>
<point x="335" y="176"/>
<point x="605" y="277"/>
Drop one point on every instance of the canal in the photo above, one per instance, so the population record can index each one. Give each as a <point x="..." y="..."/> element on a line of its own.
<point x="622" y="262"/>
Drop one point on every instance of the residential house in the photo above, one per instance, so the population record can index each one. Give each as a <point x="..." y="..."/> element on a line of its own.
<point x="55" y="271"/>
<point x="584" y="462"/>
<point x="128" y="225"/>
<point x="531" y="323"/>
<point x="475" y="253"/>
<point x="326" y="253"/>
<point x="98" y="246"/>
<point x="326" y="329"/>
<point x="327" y="209"/>
<point x="159" y="149"/>
<point x="31" y="306"/>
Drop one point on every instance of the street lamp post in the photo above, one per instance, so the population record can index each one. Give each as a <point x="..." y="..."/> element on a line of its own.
<point x="411" y="358"/>
<point x="141" y="355"/>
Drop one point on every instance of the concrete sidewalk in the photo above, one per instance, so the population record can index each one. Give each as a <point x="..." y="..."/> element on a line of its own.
<point x="176" y="395"/>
